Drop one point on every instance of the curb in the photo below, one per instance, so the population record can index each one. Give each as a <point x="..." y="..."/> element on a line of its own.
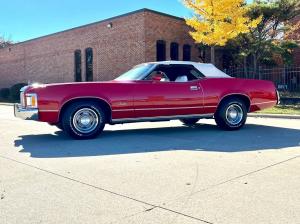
<point x="280" y="116"/>
<point x="6" y="104"/>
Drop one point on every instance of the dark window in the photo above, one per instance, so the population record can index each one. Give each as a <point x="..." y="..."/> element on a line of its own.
<point x="160" y="50"/>
<point x="89" y="64"/>
<point x="186" y="52"/>
<point x="77" y="60"/>
<point x="174" y="51"/>
<point x="174" y="70"/>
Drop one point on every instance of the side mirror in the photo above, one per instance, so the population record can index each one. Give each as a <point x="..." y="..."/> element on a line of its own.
<point x="157" y="77"/>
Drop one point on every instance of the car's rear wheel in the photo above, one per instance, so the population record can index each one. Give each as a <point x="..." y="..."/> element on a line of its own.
<point x="231" y="114"/>
<point x="83" y="120"/>
<point x="189" y="121"/>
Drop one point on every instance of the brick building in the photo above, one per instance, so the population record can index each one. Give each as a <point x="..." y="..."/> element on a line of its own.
<point x="98" y="51"/>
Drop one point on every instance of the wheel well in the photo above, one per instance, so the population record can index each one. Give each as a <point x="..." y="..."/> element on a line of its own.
<point x="102" y="103"/>
<point x="244" y="98"/>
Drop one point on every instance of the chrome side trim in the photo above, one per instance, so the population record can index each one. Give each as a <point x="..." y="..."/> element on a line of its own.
<point x="174" y="108"/>
<point x="160" y="118"/>
<point x="48" y="110"/>
<point x="211" y="106"/>
<point x="83" y="97"/>
<point x="229" y="94"/>
<point x="121" y="110"/>
<point x="273" y="101"/>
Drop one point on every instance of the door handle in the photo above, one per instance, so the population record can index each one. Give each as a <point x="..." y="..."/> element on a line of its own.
<point x="194" y="88"/>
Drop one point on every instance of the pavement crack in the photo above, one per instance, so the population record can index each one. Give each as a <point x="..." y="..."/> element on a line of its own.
<point x="188" y="216"/>
<point x="233" y="179"/>
<point x="246" y="174"/>
<point x="105" y="190"/>
<point x="150" y="209"/>
<point x="129" y="216"/>
<point x="191" y="193"/>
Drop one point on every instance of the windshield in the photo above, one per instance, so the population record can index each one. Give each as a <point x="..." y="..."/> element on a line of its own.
<point x="136" y="73"/>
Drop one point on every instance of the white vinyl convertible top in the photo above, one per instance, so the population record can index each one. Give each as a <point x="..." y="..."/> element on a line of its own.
<point x="208" y="70"/>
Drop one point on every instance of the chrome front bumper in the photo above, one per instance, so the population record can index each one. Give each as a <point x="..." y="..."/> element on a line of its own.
<point x="26" y="113"/>
<point x="278" y="97"/>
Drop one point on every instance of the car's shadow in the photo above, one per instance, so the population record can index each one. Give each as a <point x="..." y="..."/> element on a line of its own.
<point x="201" y="137"/>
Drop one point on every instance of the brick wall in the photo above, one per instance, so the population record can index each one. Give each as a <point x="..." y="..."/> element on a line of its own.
<point x="130" y="41"/>
<point x="170" y="30"/>
<point x="297" y="57"/>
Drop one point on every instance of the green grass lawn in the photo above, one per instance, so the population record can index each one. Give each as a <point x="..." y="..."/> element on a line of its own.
<point x="282" y="109"/>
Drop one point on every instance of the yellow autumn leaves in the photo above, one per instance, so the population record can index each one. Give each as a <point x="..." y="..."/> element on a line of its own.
<point x="217" y="21"/>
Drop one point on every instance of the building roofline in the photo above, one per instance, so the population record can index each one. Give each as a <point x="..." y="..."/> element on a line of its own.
<point x="101" y="21"/>
<point x="159" y="13"/>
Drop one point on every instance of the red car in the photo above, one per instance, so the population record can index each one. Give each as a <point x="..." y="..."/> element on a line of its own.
<point x="157" y="91"/>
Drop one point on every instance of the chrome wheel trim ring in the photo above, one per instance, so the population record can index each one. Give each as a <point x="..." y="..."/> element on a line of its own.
<point x="85" y="120"/>
<point x="234" y="114"/>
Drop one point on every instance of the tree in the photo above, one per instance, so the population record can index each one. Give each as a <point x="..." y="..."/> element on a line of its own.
<point x="293" y="33"/>
<point x="271" y="37"/>
<point x="217" y="21"/>
<point x="4" y="42"/>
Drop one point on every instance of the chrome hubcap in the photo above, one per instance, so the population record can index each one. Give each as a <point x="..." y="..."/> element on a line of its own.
<point x="234" y="114"/>
<point x="85" y="120"/>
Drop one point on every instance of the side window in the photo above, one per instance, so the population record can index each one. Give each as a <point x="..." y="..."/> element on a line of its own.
<point x="165" y="78"/>
<point x="160" y="50"/>
<point x="89" y="64"/>
<point x="174" y="51"/>
<point x="196" y="73"/>
<point x="183" y="73"/>
<point x="178" y="73"/>
<point x="160" y="69"/>
<point x="77" y="63"/>
<point x="186" y="52"/>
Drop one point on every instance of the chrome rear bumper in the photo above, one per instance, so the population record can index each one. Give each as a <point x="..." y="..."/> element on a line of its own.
<point x="26" y="113"/>
<point x="278" y="97"/>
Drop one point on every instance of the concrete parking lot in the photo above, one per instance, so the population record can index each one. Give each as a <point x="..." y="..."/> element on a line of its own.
<point x="150" y="173"/>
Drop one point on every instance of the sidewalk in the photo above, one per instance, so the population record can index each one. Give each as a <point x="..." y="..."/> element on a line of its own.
<point x="6" y="104"/>
<point x="278" y="116"/>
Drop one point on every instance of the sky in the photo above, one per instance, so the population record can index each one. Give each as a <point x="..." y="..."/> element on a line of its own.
<point x="22" y="20"/>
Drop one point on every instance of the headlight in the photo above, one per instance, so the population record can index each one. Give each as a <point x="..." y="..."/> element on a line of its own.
<point x="31" y="100"/>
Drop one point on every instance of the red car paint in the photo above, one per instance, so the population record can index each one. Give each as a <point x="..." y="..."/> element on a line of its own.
<point x="149" y="99"/>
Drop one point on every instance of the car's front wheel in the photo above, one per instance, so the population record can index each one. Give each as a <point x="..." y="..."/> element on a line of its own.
<point x="83" y="120"/>
<point x="231" y="114"/>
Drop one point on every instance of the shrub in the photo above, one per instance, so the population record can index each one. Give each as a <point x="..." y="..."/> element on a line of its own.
<point x="14" y="91"/>
<point x="4" y="93"/>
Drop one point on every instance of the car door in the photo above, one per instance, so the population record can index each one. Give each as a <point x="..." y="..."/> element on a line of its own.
<point x="167" y="99"/>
